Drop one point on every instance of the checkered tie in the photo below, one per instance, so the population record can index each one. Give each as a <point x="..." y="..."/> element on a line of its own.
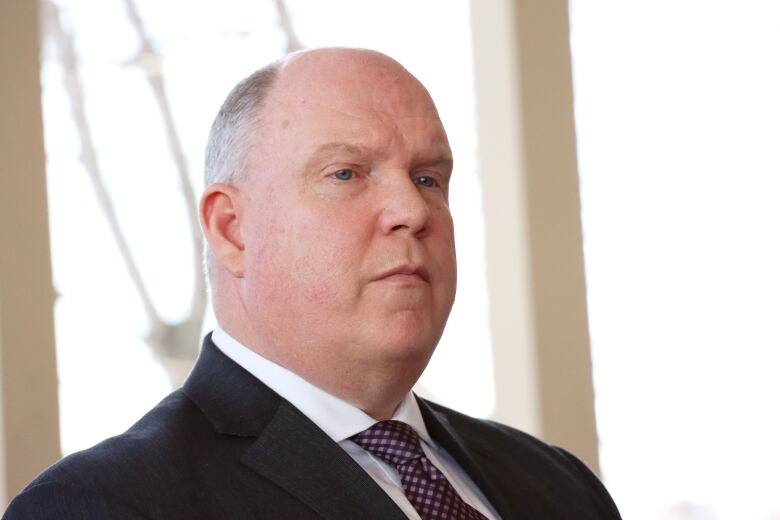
<point x="425" y="486"/>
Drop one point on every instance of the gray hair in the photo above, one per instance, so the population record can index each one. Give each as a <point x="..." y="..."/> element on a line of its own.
<point x="228" y="144"/>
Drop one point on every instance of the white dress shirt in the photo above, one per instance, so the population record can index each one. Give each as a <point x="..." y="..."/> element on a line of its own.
<point x="340" y="421"/>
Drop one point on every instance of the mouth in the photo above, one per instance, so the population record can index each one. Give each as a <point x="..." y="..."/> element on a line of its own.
<point x="406" y="272"/>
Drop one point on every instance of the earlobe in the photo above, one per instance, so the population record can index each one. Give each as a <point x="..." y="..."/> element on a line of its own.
<point x="220" y="216"/>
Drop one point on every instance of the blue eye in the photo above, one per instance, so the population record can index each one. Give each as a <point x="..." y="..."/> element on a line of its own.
<point x="344" y="175"/>
<point x="424" y="180"/>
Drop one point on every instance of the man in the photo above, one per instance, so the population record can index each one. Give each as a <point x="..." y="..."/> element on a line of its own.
<point x="332" y="264"/>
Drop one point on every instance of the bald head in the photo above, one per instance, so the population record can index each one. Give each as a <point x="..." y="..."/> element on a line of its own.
<point x="336" y="75"/>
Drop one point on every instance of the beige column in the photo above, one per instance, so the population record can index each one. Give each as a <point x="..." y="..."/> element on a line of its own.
<point x="29" y="422"/>
<point x="528" y="161"/>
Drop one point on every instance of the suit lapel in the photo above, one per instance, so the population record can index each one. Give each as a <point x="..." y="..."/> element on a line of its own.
<point x="476" y="459"/>
<point x="290" y="450"/>
<point x="295" y="454"/>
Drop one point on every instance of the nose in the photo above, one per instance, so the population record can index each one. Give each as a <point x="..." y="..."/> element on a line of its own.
<point x="404" y="208"/>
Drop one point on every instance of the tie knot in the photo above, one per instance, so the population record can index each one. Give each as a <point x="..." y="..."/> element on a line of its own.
<point x="392" y="441"/>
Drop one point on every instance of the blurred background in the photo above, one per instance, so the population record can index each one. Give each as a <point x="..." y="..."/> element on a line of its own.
<point x="614" y="196"/>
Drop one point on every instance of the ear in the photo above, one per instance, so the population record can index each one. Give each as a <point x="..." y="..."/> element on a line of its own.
<point x="220" y="214"/>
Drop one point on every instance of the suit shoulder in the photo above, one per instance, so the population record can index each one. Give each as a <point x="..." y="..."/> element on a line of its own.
<point x="68" y="501"/>
<point x="499" y="436"/>
<point x="166" y="437"/>
<point x="553" y="473"/>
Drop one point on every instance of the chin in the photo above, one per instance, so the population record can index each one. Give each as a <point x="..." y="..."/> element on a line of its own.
<point x="409" y="336"/>
<point x="407" y="345"/>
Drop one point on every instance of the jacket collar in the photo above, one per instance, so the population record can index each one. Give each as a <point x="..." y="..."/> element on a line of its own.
<point x="289" y="449"/>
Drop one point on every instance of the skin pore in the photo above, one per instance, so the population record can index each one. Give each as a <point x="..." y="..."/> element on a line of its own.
<point x="335" y="258"/>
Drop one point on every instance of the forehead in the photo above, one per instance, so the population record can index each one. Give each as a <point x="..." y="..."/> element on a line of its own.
<point x="352" y="78"/>
<point x="358" y="93"/>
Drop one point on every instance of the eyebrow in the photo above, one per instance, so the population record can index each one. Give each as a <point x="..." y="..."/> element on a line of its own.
<point x="330" y="149"/>
<point x="337" y="146"/>
<point x="342" y="147"/>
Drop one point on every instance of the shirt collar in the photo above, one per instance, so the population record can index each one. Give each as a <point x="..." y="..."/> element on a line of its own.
<point x="337" y="418"/>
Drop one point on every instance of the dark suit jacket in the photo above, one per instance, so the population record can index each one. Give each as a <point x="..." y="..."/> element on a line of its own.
<point x="225" y="446"/>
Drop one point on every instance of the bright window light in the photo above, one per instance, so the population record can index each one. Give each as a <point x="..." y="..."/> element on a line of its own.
<point x="678" y="122"/>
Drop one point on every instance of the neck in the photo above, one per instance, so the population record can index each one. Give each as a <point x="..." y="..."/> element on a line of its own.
<point x="378" y="393"/>
<point x="384" y="414"/>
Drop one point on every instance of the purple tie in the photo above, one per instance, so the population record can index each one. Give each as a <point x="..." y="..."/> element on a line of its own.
<point x="425" y="486"/>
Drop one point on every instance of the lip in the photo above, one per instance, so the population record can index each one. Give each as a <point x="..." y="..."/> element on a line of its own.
<point x="404" y="272"/>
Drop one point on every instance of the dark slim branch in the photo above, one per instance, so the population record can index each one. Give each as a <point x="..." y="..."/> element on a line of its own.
<point x="63" y="44"/>
<point x="148" y="55"/>
<point x="285" y="23"/>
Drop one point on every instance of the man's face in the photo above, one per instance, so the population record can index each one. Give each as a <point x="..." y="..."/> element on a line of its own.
<point x="349" y="250"/>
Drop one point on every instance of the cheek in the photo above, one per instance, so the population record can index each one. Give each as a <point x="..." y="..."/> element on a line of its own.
<point x="445" y="236"/>
<point x="319" y="259"/>
<point x="267" y="258"/>
<point x="446" y="258"/>
<point x="332" y="263"/>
